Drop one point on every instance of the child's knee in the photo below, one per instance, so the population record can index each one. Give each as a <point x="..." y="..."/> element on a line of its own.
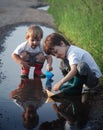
<point x="40" y="57"/>
<point x="24" y="55"/>
<point x="83" y="68"/>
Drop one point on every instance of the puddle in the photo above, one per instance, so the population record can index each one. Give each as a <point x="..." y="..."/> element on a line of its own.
<point x="14" y="93"/>
<point x="44" y="8"/>
<point x="10" y="112"/>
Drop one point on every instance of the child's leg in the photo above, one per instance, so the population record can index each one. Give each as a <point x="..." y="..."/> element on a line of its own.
<point x="25" y="71"/>
<point x="40" y="58"/>
<point x="85" y="72"/>
<point x="37" y="70"/>
<point x="37" y="61"/>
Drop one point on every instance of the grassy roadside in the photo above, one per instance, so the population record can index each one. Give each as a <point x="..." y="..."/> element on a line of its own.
<point x="81" y="21"/>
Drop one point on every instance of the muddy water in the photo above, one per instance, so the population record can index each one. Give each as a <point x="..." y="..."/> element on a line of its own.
<point x="11" y="111"/>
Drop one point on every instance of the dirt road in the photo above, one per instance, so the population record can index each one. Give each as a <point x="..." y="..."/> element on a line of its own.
<point x="17" y="11"/>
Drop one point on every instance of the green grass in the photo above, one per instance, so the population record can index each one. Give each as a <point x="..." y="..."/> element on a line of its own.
<point x="81" y="21"/>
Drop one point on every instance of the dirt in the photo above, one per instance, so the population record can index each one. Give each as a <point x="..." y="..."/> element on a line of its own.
<point x="14" y="11"/>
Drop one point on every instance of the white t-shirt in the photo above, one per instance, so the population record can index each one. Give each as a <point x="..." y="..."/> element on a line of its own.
<point x="76" y="55"/>
<point x="26" y="47"/>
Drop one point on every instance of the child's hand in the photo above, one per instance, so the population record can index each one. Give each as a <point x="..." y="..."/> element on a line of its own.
<point x="49" y="67"/>
<point x="57" y="86"/>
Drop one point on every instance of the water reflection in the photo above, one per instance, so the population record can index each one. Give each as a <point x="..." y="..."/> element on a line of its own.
<point x="10" y="72"/>
<point x="54" y="125"/>
<point x="43" y="8"/>
<point x="71" y="112"/>
<point x="29" y="96"/>
<point x="48" y="84"/>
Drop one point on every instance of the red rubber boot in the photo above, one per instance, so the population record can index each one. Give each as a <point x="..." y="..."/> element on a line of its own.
<point x="25" y="73"/>
<point x="37" y="70"/>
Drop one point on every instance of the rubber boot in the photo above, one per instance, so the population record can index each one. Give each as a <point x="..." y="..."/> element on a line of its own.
<point x="37" y="70"/>
<point x="25" y="73"/>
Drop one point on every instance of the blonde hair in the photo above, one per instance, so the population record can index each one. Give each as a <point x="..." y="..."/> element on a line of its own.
<point x="34" y="31"/>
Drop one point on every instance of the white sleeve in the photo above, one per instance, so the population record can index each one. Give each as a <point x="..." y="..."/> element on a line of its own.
<point x="73" y="59"/>
<point x="19" y="49"/>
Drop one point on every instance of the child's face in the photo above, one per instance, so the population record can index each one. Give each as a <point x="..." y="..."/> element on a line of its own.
<point x="29" y="112"/>
<point x="59" y="52"/>
<point x="34" y="42"/>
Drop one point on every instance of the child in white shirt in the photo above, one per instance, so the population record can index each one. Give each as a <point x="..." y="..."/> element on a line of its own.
<point x="30" y="53"/>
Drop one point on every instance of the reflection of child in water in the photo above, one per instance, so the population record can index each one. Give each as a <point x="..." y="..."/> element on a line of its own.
<point x="30" y="117"/>
<point x="73" y="112"/>
<point x="54" y="125"/>
<point x="30" y="96"/>
<point x="70" y="113"/>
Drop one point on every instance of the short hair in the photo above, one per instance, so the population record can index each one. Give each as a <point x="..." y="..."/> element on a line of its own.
<point x="54" y="39"/>
<point x="34" y="31"/>
<point x="32" y="121"/>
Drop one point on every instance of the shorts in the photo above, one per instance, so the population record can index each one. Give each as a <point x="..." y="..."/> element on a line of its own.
<point x="30" y="58"/>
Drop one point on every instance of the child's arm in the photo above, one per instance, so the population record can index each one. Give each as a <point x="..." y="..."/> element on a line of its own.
<point x="19" y="60"/>
<point x="68" y="77"/>
<point x="49" y="62"/>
